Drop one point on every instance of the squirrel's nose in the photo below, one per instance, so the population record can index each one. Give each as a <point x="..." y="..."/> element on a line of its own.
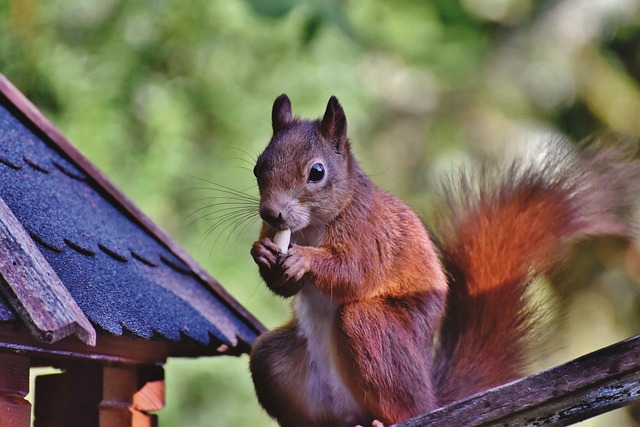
<point x="272" y="216"/>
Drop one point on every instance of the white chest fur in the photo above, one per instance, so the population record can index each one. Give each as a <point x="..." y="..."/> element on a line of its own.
<point x="325" y="389"/>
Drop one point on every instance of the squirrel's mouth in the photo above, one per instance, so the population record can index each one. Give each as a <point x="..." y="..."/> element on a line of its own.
<point x="287" y="225"/>
<point x="292" y="216"/>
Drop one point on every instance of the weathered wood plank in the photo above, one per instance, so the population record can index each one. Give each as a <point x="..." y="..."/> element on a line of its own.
<point x="34" y="289"/>
<point x="583" y="388"/>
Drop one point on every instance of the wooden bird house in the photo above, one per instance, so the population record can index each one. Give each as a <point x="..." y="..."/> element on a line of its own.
<point x="90" y="286"/>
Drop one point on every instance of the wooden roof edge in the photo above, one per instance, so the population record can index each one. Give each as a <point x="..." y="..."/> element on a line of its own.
<point x="108" y="349"/>
<point x="33" y="114"/>
<point x="34" y="289"/>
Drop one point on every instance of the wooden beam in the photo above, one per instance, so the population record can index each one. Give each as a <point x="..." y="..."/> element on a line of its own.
<point x="34" y="289"/>
<point x="108" y="349"/>
<point x="601" y="381"/>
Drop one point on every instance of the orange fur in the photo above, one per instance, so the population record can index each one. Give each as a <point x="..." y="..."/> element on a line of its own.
<point x="496" y="239"/>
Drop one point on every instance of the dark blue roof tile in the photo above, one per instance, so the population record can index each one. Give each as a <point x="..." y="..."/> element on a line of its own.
<point x="122" y="278"/>
<point x="6" y="312"/>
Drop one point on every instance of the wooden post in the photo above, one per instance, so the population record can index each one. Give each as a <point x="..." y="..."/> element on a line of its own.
<point x="15" y="411"/>
<point x="119" y="386"/>
<point x="128" y="393"/>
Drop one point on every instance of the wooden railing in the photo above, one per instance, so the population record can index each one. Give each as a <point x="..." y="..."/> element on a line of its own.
<point x="601" y="381"/>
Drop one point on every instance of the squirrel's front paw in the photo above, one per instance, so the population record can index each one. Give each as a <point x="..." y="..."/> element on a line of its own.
<point x="296" y="263"/>
<point x="265" y="253"/>
<point x="270" y="262"/>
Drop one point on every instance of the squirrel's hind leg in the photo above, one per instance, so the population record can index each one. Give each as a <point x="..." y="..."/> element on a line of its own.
<point x="386" y="352"/>
<point x="293" y="388"/>
<point x="279" y="369"/>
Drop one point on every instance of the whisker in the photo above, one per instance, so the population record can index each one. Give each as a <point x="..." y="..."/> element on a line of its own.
<point x="230" y="211"/>
<point x="216" y="203"/>
<point x="240" y="159"/>
<point x="216" y="209"/>
<point x="220" y="218"/>
<point x="244" y="223"/>
<point x="218" y="186"/>
<point x="227" y="218"/>
<point x="229" y="191"/>
<point x="253" y="157"/>
<point x="248" y="158"/>
<point x="230" y="225"/>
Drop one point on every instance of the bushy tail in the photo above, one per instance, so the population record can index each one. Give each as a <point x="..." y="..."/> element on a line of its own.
<point x="500" y="233"/>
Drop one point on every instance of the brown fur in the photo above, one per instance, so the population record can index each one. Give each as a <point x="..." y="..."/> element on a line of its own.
<point x="370" y="292"/>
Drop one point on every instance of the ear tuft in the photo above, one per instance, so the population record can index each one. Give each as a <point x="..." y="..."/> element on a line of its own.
<point x="281" y="113"/>
<point x="334" y="122"/>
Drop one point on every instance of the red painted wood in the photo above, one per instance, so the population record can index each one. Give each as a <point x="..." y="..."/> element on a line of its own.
<point x="124" y="403"/>
<point x="15" y="411"/>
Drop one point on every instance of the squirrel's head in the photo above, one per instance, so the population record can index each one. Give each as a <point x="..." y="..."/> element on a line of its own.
<point x="304" y="173"/>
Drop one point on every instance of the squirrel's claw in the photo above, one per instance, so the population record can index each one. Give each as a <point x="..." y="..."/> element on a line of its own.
<point x="375" y="423"/>
<point x="270" y="262"/>
<point x="265" y="253"/>
<point x="295" y="264"/>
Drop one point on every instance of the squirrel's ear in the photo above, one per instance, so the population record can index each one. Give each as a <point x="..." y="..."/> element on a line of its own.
<point x="334" y="122"/>
<point x="281" y="113"/>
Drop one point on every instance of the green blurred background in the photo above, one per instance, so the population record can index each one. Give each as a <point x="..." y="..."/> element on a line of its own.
<point x="162" y="94"/>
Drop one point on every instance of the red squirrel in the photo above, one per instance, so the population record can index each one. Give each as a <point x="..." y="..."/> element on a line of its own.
<point x="389" y="321"/>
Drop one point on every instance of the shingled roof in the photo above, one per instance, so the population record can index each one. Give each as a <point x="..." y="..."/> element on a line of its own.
<point x="125" y="275"/>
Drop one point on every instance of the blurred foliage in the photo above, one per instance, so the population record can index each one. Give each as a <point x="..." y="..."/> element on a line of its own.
<point x="161" y="94"/>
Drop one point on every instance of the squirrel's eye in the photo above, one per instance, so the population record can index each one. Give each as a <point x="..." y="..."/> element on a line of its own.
<point x="316" y="173"/>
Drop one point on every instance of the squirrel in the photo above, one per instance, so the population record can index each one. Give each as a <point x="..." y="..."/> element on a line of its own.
<point x="390" y="320"/>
